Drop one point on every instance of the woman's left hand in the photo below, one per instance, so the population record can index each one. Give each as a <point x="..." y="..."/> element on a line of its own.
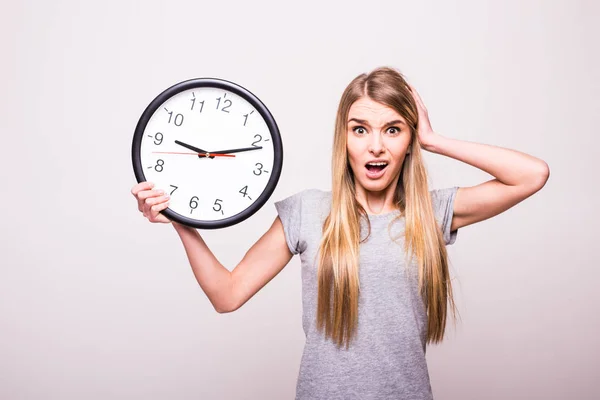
<point x="425" y="132"/>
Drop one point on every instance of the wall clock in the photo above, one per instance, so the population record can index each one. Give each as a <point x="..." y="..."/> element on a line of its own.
<point x="214" y="147"/>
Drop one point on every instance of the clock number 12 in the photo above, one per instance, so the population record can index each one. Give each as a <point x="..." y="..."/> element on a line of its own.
<point x="225" y="101"/>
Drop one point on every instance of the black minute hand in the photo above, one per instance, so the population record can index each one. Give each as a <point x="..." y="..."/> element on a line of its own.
<point x="237" y="150"/>
<point x="189" y="146"/>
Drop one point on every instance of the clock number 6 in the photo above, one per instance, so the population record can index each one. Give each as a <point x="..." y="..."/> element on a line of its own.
<point x="193" y="203"/>
<point x="217" y="204"/>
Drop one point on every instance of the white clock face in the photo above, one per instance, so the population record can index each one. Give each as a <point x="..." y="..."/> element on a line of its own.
<point x="240" y="159"/>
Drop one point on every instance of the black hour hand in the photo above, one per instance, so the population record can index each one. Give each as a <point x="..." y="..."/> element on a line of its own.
<point x="189" y="146"/>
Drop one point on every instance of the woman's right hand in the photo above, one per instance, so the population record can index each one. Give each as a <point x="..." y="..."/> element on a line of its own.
<point x="151" y="201"/>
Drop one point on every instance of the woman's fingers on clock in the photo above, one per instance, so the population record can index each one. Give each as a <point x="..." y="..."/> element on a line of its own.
<point x="151" y="201"/>
<point x="143" y="193"/>
<point x="146" y="194"/>
<point x="137" y="188"/>
<point x="156" y="216"/>
<point x="149" y="198"/>
<point x="153" y="205"/>
<point x="154" y="200"/>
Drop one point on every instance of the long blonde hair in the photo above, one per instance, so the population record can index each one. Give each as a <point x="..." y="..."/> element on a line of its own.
<point x="338" y="262"/>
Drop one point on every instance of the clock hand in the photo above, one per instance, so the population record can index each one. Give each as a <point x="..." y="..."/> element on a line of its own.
<point x="211" y="155"/>
<point x="237" y="150"/>
<point x="189" y="146"/>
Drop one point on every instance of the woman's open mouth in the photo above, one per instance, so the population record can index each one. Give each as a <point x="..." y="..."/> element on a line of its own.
<point x="376" y="169"/>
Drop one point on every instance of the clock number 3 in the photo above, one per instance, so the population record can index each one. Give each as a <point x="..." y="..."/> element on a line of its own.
<point x="259" y="169"/>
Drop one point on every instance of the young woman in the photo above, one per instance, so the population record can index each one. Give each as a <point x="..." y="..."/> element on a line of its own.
<point x="375" y="279"/>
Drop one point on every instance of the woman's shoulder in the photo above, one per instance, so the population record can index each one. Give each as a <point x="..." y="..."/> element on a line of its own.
<point x="311" y="195"/>
<point x="316" y="194"/>
<point x="444" y="197"/>
<point x="308" y="201"/>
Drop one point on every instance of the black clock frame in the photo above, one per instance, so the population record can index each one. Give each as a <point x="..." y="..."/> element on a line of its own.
<point x="258" y="105"/>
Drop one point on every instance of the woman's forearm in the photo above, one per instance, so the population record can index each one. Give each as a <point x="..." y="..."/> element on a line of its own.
<point x="511" y="167"/>
<point x="213" y="277"/>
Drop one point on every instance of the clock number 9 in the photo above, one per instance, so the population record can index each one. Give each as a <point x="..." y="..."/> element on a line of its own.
<point x="217" y="204"/>
<point x="193" y="203"/>
<point x="158" y="136"/>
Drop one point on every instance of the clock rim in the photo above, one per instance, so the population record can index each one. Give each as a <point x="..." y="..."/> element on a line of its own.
<point x="258" y="105"/>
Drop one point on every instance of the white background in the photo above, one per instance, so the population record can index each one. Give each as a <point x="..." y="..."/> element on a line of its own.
<point x="97" y="303"/>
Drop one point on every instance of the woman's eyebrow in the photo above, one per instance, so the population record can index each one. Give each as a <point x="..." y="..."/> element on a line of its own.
<point x="362" y="121"/>
<point x="394" y="122"/>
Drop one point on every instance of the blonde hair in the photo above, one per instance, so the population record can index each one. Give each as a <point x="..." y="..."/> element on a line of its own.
<point x="338" y="259"/>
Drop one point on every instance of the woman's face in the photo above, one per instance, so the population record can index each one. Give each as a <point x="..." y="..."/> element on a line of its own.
<point x="378" y="138"/>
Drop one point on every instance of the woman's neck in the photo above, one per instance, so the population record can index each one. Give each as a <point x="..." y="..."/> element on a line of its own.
<point x="380" y="202"/>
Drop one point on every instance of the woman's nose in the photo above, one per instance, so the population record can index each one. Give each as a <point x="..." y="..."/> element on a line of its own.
<point x="376" y="144"/>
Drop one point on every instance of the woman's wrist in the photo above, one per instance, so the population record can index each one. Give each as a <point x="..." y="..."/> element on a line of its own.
<point x="432" y="143"/>
<point x="180" y="228"/>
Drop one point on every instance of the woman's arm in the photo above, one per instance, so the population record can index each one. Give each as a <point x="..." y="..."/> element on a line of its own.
<point x="518" y="175"/>
<point x="228" y="291"/>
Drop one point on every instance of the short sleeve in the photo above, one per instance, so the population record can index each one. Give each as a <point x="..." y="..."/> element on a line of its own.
<point x="443" y="208"/>
<point x="290" y="213"/>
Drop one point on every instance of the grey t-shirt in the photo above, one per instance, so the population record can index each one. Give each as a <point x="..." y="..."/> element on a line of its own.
<point x="386" y="360"/>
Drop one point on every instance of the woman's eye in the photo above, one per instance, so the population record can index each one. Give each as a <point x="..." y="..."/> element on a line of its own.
<point x="359" y="129"/>
<point x="393" y="130"/>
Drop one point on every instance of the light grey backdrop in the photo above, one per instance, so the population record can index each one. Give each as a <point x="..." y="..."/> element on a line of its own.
<point x="97" y="303"/>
